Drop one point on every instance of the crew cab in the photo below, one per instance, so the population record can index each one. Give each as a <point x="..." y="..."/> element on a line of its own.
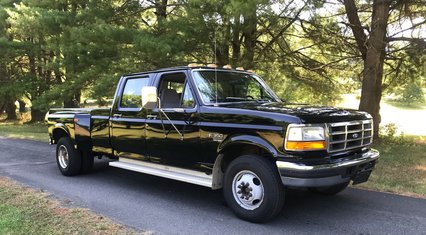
<point x="221" y="128"/>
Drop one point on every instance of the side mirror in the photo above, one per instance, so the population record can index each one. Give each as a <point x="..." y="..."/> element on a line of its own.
<point x="149" y="97"/>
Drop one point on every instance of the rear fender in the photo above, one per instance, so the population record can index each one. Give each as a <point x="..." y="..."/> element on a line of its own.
<point x="59" y="130"/>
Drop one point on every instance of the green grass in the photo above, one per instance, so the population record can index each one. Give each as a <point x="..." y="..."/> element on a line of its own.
<point x="405" y="106"/>
<point x="26" y="211"/>
<point x="402" y="166"/>
<point x="10" y="219"/>
<point x="34" y="131"/>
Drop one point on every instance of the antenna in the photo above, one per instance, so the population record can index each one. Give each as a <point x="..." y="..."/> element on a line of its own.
<point x="215" y="69"/>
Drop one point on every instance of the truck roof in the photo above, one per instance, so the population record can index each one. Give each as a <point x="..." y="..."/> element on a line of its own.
<point x="179" y="68"/>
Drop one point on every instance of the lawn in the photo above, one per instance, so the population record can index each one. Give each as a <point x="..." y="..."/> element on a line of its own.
<point x="35" y="131"/>
<point x="402" y="166"/>
<point x="27" y="211"/>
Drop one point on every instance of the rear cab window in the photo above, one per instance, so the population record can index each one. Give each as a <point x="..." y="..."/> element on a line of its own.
<point x="131" y="96"/>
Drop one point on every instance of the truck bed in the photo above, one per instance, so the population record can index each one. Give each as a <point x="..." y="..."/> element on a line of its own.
<point x="88" y="127"/>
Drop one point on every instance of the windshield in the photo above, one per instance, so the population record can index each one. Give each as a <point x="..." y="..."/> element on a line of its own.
<point x="231" y="87"/>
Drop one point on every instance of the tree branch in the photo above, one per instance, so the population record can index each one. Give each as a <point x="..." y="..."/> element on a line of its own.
<point x="355" y="25"/>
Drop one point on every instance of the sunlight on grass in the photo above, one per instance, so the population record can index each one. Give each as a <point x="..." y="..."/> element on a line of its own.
<point x="36" y="131"/>
<point x="401" y="167"/>
<point x="421" y="168"/>
<point x="409" y="119"/>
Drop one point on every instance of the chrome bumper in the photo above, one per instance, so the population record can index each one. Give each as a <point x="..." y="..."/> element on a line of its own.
<point x="325" y="174"/>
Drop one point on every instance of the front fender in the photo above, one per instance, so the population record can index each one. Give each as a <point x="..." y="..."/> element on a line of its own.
<point x="250" y="140"/>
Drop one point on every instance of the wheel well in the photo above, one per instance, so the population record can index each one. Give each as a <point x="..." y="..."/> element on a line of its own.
<point x="236" y="150"/>
<point x="58" y="133"/>
<point x="229" y="154"/>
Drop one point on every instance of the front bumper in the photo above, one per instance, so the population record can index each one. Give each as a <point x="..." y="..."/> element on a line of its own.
<point x="303" y="175"/>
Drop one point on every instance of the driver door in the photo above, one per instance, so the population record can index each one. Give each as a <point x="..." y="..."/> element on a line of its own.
<point x="174" y="142"/>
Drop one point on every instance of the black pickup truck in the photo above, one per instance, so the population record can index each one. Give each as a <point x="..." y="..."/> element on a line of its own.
<point x="220" y="128"/>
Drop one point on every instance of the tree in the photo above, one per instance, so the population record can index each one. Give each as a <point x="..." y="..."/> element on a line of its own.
<point x="57" y="53"/>
<point x="9" y="88"/>
<point x="372" y="47"/>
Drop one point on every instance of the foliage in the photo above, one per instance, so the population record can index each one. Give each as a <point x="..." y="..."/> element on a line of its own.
<point x="389" y="130"/>
<point x="59" y="53"/>
<point x="412" y="93"/>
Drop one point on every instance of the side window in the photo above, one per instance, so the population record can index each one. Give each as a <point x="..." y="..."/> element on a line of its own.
<point x="254" y="90"/>
<point x="187" y="98"/>
<point x="131" y="97"/>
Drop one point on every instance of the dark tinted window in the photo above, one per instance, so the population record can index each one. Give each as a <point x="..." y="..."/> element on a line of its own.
<point x="131" y="97"/>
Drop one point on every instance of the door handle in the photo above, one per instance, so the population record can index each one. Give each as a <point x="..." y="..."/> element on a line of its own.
<point x="117" y="115"/>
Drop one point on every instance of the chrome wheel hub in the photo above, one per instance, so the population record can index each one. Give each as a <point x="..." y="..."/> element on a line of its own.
<point x="63" y="156"/>
<point x="248" y="190"/>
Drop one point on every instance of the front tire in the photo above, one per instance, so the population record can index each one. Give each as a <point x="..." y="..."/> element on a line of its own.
<point x="253" y="188"/>
<point x="67" y="157"/>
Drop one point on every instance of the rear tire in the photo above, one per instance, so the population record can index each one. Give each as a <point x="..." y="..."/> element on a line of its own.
<point x="330" y="190"/>
<point x="253" y="188"/>
<point x="67" y="157"/>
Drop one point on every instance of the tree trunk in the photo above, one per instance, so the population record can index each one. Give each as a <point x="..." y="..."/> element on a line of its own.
<point x="11" y="111"/>
<point x="161" y="13"/>
<point x="223" y="35"/>
<point x="372" y="49"/>
<point x="373" y="65"/>
<point x="236" y="45"/>
<point x="36" y="115"/>
<point x="73" y="102"/>
<point x="2" y="107"/>
<point x="249" y="32"/>
<point x="22" y="106"/>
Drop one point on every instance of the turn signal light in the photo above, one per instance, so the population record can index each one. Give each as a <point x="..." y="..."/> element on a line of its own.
<point x="305" y="145"/>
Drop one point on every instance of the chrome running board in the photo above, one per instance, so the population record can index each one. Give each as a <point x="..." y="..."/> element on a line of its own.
<point x="175" y="173"/>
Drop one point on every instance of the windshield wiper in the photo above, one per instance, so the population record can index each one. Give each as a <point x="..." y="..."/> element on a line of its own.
<point x="241" y="99"/>
<point x="263" y="100"/>
<point x="236" y="98"/>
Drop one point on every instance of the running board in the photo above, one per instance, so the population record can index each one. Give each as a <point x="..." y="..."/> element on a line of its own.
<point x="175" y="173"/>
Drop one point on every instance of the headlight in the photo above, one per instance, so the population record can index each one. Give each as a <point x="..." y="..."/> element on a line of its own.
<point x="305" y="138"/>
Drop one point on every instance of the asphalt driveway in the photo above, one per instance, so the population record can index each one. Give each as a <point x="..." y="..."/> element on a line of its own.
<point x="164" y="206"/>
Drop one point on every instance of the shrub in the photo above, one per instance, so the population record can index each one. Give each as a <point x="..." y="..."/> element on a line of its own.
<point x="412" y="93"/>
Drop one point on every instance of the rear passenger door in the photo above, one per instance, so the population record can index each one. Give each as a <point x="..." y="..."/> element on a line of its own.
<point x="164" y="143"/>
<point x="128" y="119"/>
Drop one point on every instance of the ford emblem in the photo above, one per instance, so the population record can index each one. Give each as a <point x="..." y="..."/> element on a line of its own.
<point x="355" y="135"/>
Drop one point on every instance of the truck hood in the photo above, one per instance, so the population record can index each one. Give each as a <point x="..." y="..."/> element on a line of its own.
<point x="306" y="113"/>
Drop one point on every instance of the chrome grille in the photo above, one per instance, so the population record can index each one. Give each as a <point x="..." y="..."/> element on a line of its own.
<point x="349" y="135"/>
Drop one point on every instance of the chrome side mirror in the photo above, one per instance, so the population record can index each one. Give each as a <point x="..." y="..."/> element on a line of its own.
<point x="149" y="97"/>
